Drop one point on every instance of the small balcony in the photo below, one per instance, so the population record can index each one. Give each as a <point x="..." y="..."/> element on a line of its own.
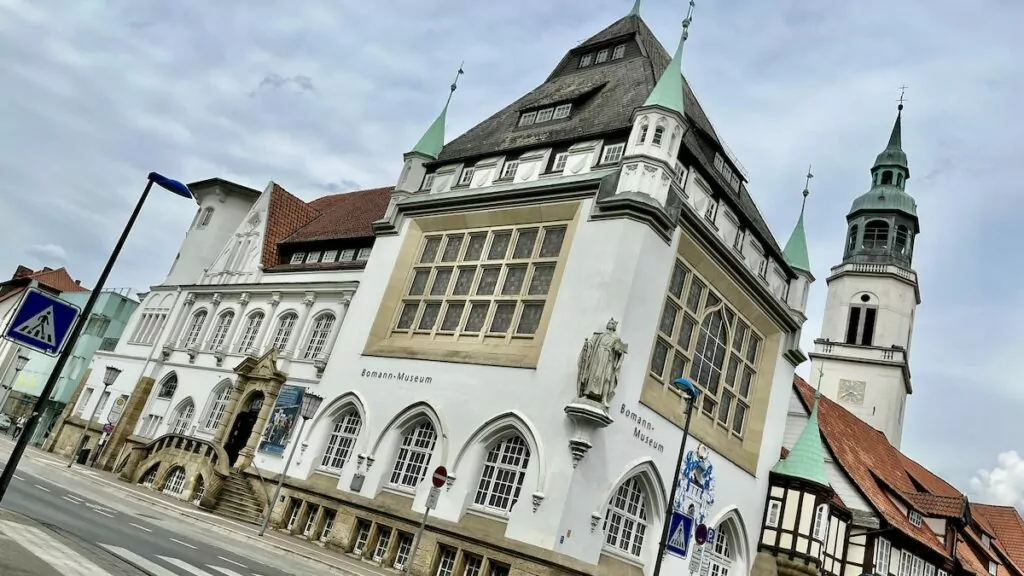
<point x="875" y="354"/>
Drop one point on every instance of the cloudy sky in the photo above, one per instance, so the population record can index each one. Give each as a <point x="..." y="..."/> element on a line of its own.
<point x="324" y="96"/>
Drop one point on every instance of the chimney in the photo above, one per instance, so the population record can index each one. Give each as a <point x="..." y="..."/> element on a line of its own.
<point x="21" y="272"/>
<point x="78" y="282"/>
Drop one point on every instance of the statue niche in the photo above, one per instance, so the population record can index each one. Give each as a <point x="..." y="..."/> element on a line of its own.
<point x="597" y="377"/>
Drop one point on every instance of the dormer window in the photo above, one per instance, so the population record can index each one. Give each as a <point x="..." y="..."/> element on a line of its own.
<point x="364" y="254"/>
<point x="619" y="52"/>
<point x="986" y="541"/>
<point x="586" y="60"/>
<point x="612" y="153"/>
<point x="545" y="115"/>
<point x="313" y="257"/>
<point x="467" y="176"/>
<point x="298" y="257"/>
<point x="562" y="111"/>
<point x="915" y="517"/>
<point x="602" y="56"/>
<point x="330" y="256"/>
<point x="428" y="182"/>
<point x="527" y="119"/>
<point x="508" y="171"/>
<point x="992" y="568"/>
<point x="560" y="160"/>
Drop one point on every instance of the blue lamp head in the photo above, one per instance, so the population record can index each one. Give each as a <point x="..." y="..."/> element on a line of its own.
<point x="687" y="387"/>
<point x="172" y="186"/>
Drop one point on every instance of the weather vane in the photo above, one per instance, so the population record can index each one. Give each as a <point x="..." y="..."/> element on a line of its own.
<point x="807" y="182"/>
<point x="455" y="84"/>
<point x="903" y="91"/>
<point x="689" y="17"/>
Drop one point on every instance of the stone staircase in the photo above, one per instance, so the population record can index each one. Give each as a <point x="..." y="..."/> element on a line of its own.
<point x="238" y="500"/>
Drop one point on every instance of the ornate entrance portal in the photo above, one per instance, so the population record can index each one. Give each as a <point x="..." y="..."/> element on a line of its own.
<point x="256" y="389"/>
<point x="242" y="428"/>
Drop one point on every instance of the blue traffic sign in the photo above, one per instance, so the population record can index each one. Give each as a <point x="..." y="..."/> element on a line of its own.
<point x="679" y="531"/>
<point x="42" y="322"/>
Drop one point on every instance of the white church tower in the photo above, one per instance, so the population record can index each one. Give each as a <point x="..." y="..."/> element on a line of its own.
<point x="873" y="294"/>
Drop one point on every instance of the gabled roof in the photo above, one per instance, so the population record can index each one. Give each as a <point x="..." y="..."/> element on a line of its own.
<point x="286" y="214"/>
<point x="349" y="215"/>
<point x="59" y="280"/>
<point x="1007" y="526"/>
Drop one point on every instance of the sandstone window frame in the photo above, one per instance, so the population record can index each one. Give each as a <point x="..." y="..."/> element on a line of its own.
<point x="688" y="332"/>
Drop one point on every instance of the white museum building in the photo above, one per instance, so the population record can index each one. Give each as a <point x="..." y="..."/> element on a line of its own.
<point x="536" y="286"/>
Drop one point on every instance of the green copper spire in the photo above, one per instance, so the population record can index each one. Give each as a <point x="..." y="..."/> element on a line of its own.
<point x="806" y="459"/>
<point x="893" y="155"/>
<point x="668" y="92"/>
<point x="433" y="139"/>
<point x="796" y="248"/>
<point x="636" y="8"/>
<point x="889" y="176"/>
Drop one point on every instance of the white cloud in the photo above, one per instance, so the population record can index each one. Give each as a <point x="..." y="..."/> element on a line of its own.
<point x="1003" y="484"/>
<point x="48" y="252"/>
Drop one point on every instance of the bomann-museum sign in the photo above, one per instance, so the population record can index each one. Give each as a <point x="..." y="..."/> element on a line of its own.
<point x="642" y="428"/>
<point x="399" y="376"/>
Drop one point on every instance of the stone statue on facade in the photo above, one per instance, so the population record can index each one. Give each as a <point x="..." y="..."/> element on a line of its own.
<point x="599" y="364"/>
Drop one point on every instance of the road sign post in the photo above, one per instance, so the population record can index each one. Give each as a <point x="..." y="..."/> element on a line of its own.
<point x="42" y="322"/>
<point x="437" y="480"/>
<point x="76" y="327"/>
<point x="680" y="529"/>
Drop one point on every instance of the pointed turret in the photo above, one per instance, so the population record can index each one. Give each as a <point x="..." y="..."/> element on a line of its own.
<point x="796" y="247"/>
<point x="806" y="460"/>
<point x="413" y="176"/>
<point x="636" y="8"/>
<point x="668" y="92"/>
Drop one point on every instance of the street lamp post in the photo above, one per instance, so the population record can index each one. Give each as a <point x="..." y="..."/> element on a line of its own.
<point x="109" y="377"/>
<point x="310" y="404"/>
<point x="19" y="364"/>
<point x="690" y="394"/>
<point x="172" y="186"/>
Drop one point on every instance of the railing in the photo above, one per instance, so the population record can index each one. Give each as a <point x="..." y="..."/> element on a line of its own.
<point x="875" y="269"/>
<point x="894" y="354"/>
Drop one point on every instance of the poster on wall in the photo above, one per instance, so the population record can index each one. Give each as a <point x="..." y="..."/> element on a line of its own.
<point x="282" y="420"/>
<point x="695" y="491"/>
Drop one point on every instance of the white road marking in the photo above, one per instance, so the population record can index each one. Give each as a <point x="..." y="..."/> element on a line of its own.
<point x="19" y="477"/>
<point x="51" y="551"/>
<point x="231" y="561"/>
<point x="140" y="527"/>
<point x="184" y="566"/>
<point x="225" y="571"/>
<point x="98" y="511"/>
<point x="148" y="565"/>
<point x="73" y="497"/>
<point x="43" y="488"/>
<point x="182" y="543"/>
<point x="70" y="500"/>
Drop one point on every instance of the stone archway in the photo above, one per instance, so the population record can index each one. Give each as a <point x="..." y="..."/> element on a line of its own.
<point x="245" y="417"/>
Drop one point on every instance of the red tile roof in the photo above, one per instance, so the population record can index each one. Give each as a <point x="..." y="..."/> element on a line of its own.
<point x="871" y="462"/>
<point x="345" y="216"/>
<point x="1007" y="527"/>
<point x="58" y="280"/>
<point x="286" y="214"/>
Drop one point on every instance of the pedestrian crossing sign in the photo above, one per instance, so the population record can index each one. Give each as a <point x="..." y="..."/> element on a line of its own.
<point x="680" y="529"/>
<point x="42" y="322"/>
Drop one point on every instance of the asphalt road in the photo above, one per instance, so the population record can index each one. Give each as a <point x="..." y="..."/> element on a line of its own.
<point x="139" y="538"/>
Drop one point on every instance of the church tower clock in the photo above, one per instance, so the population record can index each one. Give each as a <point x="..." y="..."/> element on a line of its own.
<point x="872" y="296"/>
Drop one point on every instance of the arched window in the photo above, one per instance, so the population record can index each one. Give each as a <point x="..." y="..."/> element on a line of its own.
<point x="318" y="335"/>
<point x="216" y="410"/>
<point x="820" y="529"/>
<point x="502" y="477"/>
<point x="851" y="239"/>
<point x="174" y="482"/>
<point x="183" y="417"/>
<point x="708" y="357"/>
<point x="414" y="455"/>
<point x="899" y="179"/>
<point x="659" y="134"/>
<point x="220" y="329"/>
<point x="343" y="439"/>
<point x="625" y="521"/>
<point x="876" y="235"/>
<point x="207" y="217"/>
<point x="902" y="240"/>
<point x="169" y="386"/>
<point x="149" y="478"/>
<point x="285" y="326"/>
<point x="252" y="329"/>
<point x="195" y="327"/>
<point x="675" y="138"/>
<point x="641" y="136"/>
<point x="721" y="552"/>
<point x="887" y="177"/>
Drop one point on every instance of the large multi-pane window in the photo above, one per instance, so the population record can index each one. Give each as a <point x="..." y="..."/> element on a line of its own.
<point x="702" y="338"/>
<point x="318" y="335"/>
<point x="195" y="327"/>
<point x="625" y="521"/>
<point x="502" y="478"/>
<point x="183" y="417"/>
<point x="217" y="407"/>
<point x="285" y="326"/>
<point x="220" y="329"/>
<point x="340" y="444"/>
<point x="414" y="455"/>
<point x="482" y="283"/>
<point x="252" y="329"/>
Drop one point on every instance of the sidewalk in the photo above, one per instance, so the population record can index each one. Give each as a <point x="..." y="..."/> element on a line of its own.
<point x="27" y="548"/>
<point x="336" y="562"/>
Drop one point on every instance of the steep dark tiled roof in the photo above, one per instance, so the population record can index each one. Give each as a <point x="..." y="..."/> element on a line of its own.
<point x="613" y="91"/>
<point x="286" y="214"/>
<point x="344" y="216"/>
<point x="936" y="505"/>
